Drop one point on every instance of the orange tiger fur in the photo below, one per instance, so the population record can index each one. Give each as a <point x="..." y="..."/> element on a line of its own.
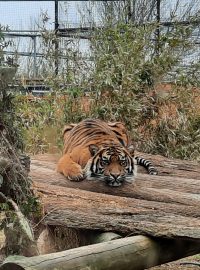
<point x="97" y="150"/>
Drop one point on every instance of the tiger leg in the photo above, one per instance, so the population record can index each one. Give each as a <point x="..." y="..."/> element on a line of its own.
<point x="70" y="169"/>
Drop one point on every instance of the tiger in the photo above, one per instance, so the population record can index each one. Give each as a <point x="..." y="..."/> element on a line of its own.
<point x="99" y="150"/>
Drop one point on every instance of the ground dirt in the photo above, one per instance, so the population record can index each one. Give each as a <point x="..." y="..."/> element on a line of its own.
<point x="183" y="264"/>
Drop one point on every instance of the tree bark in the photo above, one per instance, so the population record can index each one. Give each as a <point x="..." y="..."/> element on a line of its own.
<point x="166" y="206"/>
<point x="165" y="166"/>
<point x="134" y="253"/>
<point x="81" y="209"/>
<point x="162" y="188"/>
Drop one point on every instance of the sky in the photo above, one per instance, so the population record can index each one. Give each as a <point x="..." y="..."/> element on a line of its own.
<point x="27" y="15"/>
<point x="22" y="15"/>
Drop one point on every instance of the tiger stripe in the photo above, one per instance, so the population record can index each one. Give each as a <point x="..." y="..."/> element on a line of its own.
<point x="147" y="164"/>
<point x="95" y="149"/>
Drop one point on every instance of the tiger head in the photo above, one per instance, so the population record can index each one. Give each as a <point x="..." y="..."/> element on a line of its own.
<point x="113" y="164"/>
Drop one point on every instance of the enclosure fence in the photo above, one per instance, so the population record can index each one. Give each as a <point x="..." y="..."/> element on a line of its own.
<point x="27" y="25"/>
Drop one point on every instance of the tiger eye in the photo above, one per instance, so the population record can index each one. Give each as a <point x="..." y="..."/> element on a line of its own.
<point x="123" y="162"/>
<point x="104" y="161"/>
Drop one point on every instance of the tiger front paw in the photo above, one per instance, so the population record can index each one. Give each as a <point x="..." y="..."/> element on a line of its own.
<point x="70" y="168"/>
<point x="74" y="173"/>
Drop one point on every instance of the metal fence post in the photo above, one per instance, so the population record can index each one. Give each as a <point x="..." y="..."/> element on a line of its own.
<point x="34" y="57"/>
<point x="56" y="41"/>
<point x="157" y="32"/>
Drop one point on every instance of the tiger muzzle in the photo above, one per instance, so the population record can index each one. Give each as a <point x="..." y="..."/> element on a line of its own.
<point x="114" y="180"/>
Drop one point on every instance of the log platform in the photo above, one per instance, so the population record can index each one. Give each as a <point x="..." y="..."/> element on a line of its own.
<point x="166" y="205"/>
<point x="157" y="216"/>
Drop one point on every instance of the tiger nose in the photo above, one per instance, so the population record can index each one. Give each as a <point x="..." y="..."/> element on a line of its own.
<point x="115" y="175"/>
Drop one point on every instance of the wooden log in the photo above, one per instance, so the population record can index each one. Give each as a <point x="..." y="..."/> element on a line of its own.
<point x="94" y="211"/>
<point x="59" y="238"/>
<point x="166" y="167"/>
<point x="160" y="188"/>
<point x="134" y="253"/>
<point x="161" y="205"/>
<point x="174" y="167"/>
<point x="104" y="237"/>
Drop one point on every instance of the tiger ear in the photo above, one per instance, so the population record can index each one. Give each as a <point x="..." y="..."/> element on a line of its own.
<point x="93" y="149"/>
<point x="131" y="150"/>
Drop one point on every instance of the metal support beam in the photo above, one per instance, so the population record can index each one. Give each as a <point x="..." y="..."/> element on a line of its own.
<point x="157" y="32"/>
<point x="54" y="0"/>
<point x="56" y="41"/>
<point x="34" y="57"/>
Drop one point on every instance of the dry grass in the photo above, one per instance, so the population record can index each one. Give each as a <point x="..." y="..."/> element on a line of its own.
<point x="166" y="121"/>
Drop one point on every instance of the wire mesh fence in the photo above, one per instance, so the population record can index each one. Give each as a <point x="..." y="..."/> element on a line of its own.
<point x="28" y="26"/>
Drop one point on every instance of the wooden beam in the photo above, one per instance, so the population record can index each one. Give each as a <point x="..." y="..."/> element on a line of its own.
<point x="134" y="253"/>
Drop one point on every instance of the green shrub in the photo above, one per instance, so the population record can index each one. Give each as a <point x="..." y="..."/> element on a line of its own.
<point x="129" y="60"/>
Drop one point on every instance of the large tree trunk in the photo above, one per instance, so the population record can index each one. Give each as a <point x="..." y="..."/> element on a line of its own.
<point x="133" y="253"/>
